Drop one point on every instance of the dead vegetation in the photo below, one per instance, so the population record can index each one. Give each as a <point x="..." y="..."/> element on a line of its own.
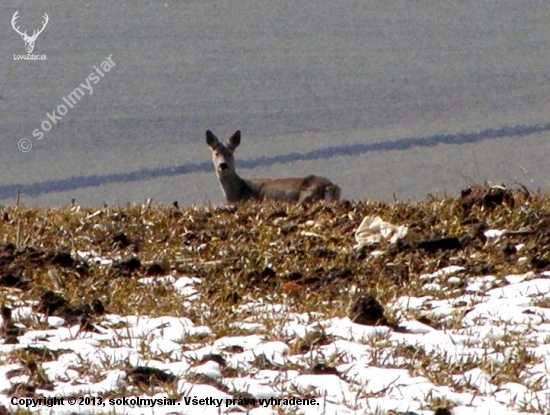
<point x="274" y="252"/>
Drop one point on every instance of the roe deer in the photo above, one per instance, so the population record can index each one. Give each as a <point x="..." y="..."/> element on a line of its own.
<point x="303" y="190"/>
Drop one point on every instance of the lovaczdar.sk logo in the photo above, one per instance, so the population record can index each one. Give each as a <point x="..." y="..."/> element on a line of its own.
<point x="29" y="40"/>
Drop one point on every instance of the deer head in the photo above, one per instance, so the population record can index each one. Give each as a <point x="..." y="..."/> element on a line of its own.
<point x="222" y="154"/>
<point x="29" y="40"/>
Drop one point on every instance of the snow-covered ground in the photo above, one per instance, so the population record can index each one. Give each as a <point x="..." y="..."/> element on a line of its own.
<point x="371" y="370"/>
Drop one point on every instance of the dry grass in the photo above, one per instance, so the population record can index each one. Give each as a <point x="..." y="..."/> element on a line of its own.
<point x="275" y="253"/>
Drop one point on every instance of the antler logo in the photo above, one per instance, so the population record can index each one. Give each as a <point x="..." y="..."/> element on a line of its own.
<point x="29" y="40"/>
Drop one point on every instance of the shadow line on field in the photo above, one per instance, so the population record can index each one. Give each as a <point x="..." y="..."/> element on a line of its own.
<point x="77" y="182"/>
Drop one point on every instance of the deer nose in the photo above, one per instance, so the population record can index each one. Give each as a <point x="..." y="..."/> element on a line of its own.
<point x="223" y="166"/>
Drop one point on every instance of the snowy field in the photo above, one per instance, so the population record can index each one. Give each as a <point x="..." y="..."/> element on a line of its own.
<point x="355" y="369"/>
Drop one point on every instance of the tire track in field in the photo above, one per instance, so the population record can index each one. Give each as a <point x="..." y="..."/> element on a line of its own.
<point x="401" y="144"/>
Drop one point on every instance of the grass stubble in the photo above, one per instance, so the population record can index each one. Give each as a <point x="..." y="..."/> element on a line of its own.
<point x="275" y="253"/>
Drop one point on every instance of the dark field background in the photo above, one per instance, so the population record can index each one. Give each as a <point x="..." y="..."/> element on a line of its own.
<point x="386" y="98"/>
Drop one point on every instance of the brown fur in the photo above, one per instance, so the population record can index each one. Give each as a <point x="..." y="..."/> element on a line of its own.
<point x="303" y="190"/>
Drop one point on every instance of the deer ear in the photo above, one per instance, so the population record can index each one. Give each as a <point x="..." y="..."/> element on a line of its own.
<point x="211" y="139"/>
<point x="235" y="139"/>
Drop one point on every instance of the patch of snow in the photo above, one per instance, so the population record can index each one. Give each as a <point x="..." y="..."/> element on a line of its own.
<point x="375" y="369"/>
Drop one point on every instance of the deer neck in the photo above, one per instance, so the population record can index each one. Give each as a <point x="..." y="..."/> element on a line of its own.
<point x="234" y="187"/>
